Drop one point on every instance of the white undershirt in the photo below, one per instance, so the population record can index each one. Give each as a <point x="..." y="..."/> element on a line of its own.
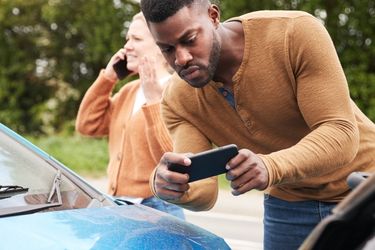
<point x="140" y="99"/>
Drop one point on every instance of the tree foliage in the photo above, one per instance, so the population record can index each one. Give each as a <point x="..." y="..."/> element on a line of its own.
<point x="51" y="51"/>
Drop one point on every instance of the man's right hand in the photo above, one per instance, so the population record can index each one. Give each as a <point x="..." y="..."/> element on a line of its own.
<point x="109" y="71"/>
<point x="171" y="185"/>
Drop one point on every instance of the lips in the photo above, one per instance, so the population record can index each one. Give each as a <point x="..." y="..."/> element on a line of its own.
<point x="189" y="73"/>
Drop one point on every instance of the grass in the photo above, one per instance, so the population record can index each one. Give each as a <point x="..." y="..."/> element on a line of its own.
<point x="86" y="156"/>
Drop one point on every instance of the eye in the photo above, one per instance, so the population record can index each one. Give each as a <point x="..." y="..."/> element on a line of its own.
<point x="190" y="40"/>
<point x="166" y="49"/>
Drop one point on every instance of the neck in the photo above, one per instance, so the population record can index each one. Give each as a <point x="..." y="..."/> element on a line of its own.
<point x="232" y="48"/>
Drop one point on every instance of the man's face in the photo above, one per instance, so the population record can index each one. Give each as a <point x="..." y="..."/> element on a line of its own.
<point x="189" y="42"/>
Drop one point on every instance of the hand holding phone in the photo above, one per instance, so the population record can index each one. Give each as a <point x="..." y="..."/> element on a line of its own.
<point x="208" y="163"/>
<point x="121" y="69"/>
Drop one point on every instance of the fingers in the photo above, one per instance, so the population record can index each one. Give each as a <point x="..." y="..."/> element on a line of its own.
<point x="171" y="185"/>
<point x="151" y="87"/>
<point x="120" y="55"/>
<point x="252" y="179"/>
<point x="109" y="71"/>
<point x="147" y="71"/>
<point x="168" y="190"/>
<point x="247" y="172"/>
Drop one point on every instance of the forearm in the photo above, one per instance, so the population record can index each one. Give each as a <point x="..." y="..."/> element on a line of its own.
<point x="327" y="148"/>
<point x="93" y="114"/>
<point x="156" y="131"/>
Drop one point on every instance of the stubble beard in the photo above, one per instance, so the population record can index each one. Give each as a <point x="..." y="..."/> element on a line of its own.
<point x="212" y="63"/>
<point x="214" y="58"/>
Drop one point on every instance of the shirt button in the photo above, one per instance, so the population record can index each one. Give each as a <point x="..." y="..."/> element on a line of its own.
<point x="119" y="156"/>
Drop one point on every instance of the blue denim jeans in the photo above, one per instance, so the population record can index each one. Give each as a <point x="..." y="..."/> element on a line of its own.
<point x="287" y="224"/>
<point x="164" y="206"/>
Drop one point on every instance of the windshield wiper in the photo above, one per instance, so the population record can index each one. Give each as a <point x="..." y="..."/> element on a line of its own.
<point x="10" y="190"/>
<point x="55" y="189"/>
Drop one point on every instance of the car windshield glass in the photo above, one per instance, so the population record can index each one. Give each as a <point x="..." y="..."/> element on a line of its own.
<point x="24" y="168"/>
<point x="55" y="191"/>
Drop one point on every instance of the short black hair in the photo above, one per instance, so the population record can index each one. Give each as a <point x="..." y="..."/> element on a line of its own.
<point x="159" y="10"/>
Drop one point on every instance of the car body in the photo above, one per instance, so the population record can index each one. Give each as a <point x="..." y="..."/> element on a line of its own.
<point x="45" y="205"/>
<point x="352" y="222"/>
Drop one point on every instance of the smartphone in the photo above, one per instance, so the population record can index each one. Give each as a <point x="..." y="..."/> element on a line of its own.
<point x="207" y="163"/>
<point x="121" y="69"/>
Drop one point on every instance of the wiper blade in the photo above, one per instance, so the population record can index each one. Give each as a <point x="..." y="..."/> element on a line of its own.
<point x="55" y="189"/>
<point x="4" y="212"/>
<point x="10" y="190"/>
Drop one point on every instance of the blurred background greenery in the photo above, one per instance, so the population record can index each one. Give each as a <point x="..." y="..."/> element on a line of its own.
<point x="52" y="50"/>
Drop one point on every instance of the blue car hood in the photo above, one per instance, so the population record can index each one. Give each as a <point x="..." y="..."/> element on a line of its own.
<point x="122" y="227"/>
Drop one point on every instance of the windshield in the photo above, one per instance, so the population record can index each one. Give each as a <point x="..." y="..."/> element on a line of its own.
<point x="22" y="167"/>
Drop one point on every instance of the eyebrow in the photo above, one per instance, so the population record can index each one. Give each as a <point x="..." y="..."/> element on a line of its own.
<point x="182" y="37"/>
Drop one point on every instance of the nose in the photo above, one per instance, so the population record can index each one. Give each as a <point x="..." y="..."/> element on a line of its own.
<point x="183" y="56"/>
<point x="127" y="45"/>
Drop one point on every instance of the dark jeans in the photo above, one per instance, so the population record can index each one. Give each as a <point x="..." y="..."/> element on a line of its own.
<point x="287" y="224"/>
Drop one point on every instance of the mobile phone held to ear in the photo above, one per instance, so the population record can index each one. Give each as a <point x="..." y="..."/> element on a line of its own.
<point x="207" y="163"/>
<point x="121" y="69"/>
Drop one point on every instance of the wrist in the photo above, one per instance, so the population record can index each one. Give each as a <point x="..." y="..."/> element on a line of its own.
<point x="110" y="75"/>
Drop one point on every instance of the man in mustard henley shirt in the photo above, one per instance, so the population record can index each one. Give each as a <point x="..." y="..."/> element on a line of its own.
<point x="272" y="83"/>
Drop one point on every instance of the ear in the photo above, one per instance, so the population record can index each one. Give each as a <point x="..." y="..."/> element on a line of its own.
<point x="214" y="14"/>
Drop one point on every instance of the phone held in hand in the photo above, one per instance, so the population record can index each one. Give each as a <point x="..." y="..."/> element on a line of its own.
<point x="121" y="69"/>
<point x="207" y="163"/>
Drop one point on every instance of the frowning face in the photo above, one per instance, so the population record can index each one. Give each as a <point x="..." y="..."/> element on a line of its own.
<point x="189" y="42"/>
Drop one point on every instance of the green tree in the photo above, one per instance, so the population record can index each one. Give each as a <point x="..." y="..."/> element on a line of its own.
<point x="50" y="52"/>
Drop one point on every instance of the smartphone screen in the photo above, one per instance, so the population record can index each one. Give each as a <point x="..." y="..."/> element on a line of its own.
<point x="121" y="69"/>
<point x="208" y="163"/>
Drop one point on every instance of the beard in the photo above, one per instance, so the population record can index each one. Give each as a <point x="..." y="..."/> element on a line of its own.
<point x="214" y="58"/>
<point x="213" y="61"/>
